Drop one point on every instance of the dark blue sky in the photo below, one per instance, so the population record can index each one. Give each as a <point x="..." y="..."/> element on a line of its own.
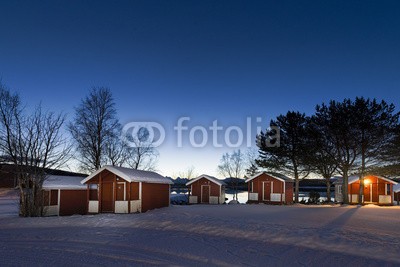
<point x="209" y="60"/>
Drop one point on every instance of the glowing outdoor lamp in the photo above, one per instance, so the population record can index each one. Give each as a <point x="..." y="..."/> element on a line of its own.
<point x="367" y="181"/>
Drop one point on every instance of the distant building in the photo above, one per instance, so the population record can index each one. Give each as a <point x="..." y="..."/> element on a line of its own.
<point x="270" y="188"/>
<point x="206" y="189"/>
<point x="377" y="190"/>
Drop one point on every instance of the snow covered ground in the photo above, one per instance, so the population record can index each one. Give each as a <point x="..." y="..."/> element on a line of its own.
<point x="199" y="235"/>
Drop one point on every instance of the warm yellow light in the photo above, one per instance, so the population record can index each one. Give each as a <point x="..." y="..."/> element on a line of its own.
<point x="366" y="181"/>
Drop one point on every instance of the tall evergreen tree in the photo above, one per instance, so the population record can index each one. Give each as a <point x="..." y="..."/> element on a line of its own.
<point x="376" y="124"/>
<point x="321" y="153"/>
<point x="338" y="122"/>
<point x="288" y="157"/>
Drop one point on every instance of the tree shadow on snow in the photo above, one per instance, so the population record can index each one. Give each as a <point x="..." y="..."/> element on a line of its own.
<point x="342" y="219"/>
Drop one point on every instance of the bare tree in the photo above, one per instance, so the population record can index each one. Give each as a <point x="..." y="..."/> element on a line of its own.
<point x="33" y="143"/>
<point x="232" y="165"/>
<point x="251" y="164"/>
<point x="117" y="152"/>
<point x="142" y="155"/>
<point x="95" y="128"/>
<point x="143" y="158"/>
<point x="188" y="173"/>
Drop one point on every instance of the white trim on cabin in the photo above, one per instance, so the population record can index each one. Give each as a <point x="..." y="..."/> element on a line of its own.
<point x="193" y="200"/>
<point x="284" y="193"/>
<point x="93" y="206"/>
<point x="253" y="196"/>
<point x="221" y="196"/>
<point x="262" y="183"/>
<point x="169" y="196"/>
<point x="261" y="173"/>
<point x="276" y="197"/>
<point x="52" y="210"/>
<point x="58" y="201"/>
<point x="354" y="178"/>
<point x="121" y="206"/>
<point x="135" y="206"/>
<point x="213" y="200"/>
<point x="220" y="193"/>
<point x="370" y="193"/>
<point x="210" y="178"/>
<point x="131" y="175"/>
<point x="385" y="199"/>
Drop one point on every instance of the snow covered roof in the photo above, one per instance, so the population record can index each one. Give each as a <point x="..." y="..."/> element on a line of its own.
<point x="132" y="175"/>
<point x="63" y="182"/>
<point x="355" y="178"/>
<point x="208" y="177"/>
<point x="277" y="176"/>
<point x="396" y="188"/>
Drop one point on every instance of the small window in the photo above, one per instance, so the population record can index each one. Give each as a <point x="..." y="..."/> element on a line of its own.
<point x="252" y="190"/>
<point x="339" y="189"/>
<point x="388" y="189"/>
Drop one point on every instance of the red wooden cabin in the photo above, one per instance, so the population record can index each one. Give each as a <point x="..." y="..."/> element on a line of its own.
<point x="207" y="190"/>
<point x="270" y="188"/>
<point x="123" y="190"/>
<point x="377" y="190"/>
<point x="64" y="195"/>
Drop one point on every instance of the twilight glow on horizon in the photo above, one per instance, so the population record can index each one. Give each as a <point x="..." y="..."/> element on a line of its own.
<point x="224" y="65"/>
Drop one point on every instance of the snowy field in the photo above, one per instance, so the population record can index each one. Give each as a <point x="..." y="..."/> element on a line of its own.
<point x="206" y="235"/>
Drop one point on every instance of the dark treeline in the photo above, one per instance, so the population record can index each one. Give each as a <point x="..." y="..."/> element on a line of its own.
<point x="358" y="136"/>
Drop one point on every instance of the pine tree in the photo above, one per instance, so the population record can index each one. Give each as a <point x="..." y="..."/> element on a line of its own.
<point x="286" y="154"/>
<point x="376" y="125"/>
<point x="337" y="122"/>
